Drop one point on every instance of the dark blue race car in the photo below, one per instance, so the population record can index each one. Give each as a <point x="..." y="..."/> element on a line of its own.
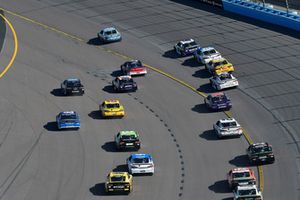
<point x="218" y="101"/>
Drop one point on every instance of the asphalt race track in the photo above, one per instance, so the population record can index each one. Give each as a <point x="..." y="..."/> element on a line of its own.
<point x="39" y="162"/>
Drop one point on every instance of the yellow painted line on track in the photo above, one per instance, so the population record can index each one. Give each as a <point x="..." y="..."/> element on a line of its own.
<point x="227" y="113"/>
<point x="15" y="48"/>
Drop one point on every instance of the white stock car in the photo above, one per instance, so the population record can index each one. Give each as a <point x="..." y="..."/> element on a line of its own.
<point x="205" y="54"/>
<point x="140" y="164"/>
<point x="223" y="81"/>
<point x="247" y="192"/>
<point x="227" y="128"/>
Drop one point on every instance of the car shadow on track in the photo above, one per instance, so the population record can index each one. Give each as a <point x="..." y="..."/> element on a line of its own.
<point x="95" y="115"/>
<point x="171" y="54"/>
<point x="191" y="62"/>
<point x="109" y="89"/>
<point x="240" y="161"/>
<point x="109" y="147"/>
<point x="206" y="88"/>
<point x="51" y="126"/>
<point x="98" y="189"/>
<point x="209" y="135"/>
<point x="95" y="41"/>
<point x="57" y="92"/>
<point x="201" y="108"/>
<point x="220" y="187"/>
<point x="202" y="73"/>
<point x="116" y="73"/>
<point x="121" y="168"/>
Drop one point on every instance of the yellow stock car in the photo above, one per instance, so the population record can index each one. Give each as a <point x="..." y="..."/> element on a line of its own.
<point x="118" y="182"/>
<point x="111" y="108"/>
<point x="219" y="66"/>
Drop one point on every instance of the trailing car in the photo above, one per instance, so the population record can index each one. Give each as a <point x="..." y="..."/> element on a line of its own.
<point x="241" y="176"/>
<point x="227" y="127"/>
<point x="72" y="86"/>
<point x="124" y="84"/>
<point x="127" y="140"/>
<point x="218" y="66"/>
<point x="140" y="164"/>
<point x="111" y="108"/>
<point x="260" y="153"/>
<point x="118" y="182"/>
<point x="68" y="120"/>
<point x="224" y="81"/>
<point x="247" y="192"/>
<point x="186" y="47"/>
<point x="133" y="67"/>
<point x="109" y="34"/>
<point x="217" y="101"/>
<point x="204" y="55"/>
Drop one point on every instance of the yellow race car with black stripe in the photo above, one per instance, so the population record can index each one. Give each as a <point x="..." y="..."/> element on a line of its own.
<point x="112" y="108"/>
<point x="219" y="66"/>
<point x="118" y="182"/>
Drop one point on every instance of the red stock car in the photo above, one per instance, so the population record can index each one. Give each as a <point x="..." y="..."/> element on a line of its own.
<point x="133" y="68"/>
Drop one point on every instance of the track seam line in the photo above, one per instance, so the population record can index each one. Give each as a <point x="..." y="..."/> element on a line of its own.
<point x="227" y="113"/>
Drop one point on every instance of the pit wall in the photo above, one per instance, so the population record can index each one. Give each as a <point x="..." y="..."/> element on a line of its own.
<point x="266" y="14"/>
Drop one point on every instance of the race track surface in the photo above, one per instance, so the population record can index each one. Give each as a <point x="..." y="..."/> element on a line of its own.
<point x="39" y="162"/>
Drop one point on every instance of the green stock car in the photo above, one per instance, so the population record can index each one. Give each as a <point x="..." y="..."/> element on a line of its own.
<point x="127" y="140"/>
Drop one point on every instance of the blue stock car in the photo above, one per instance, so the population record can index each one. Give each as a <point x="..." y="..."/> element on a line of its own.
<point x="109" y="34"/>
<point x="68" y="120"/>
<point x="218" y="101"/>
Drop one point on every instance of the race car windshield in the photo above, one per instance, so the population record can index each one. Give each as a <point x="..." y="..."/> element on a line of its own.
<point x="141" y="160"/>
<point x="117" y="178"/>
<point x="113" y="105"/>
<point x="191" y="44"/>
<point x="111" y="32"/>
<point x="241" y="175"/>
<point x="219" y="99"/>
<point x="128" y="137"/>
<point x="224" y="62"/>
<point x="73" y="83"/>
<point x="229" y="124"/>
<point x="135" y="64"/>
<point x="68" y="117"/>
<point x="207" y="53"/>
<point x="247" y="192"/>
<point x="262" y="149"/>
<point x="127" y="81"/>
<point x="223" y="77"/>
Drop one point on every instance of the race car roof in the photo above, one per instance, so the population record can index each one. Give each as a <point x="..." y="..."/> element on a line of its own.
<point x="261" y="144"/>
<point x="227" y="120"/>
<point x="111" y="101"/>
<point x="128" y="133"/>
<point x="73" y="79"/>
<point x="187" y="41"/>
<point x="109" y="29"/>
<point x="141" y="155"/>
<point x="217" y="94"/>
<point x="206" y="48"/>
<point x="68" y="113"/>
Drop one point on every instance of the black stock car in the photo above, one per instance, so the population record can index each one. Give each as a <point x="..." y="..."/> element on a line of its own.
<point x="260" y="153"/>
<point x="124" y="83"/>
<point x="72" y="86"/>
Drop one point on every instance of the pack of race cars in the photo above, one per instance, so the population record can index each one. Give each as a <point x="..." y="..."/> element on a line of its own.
<point x="241" y="180"/>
